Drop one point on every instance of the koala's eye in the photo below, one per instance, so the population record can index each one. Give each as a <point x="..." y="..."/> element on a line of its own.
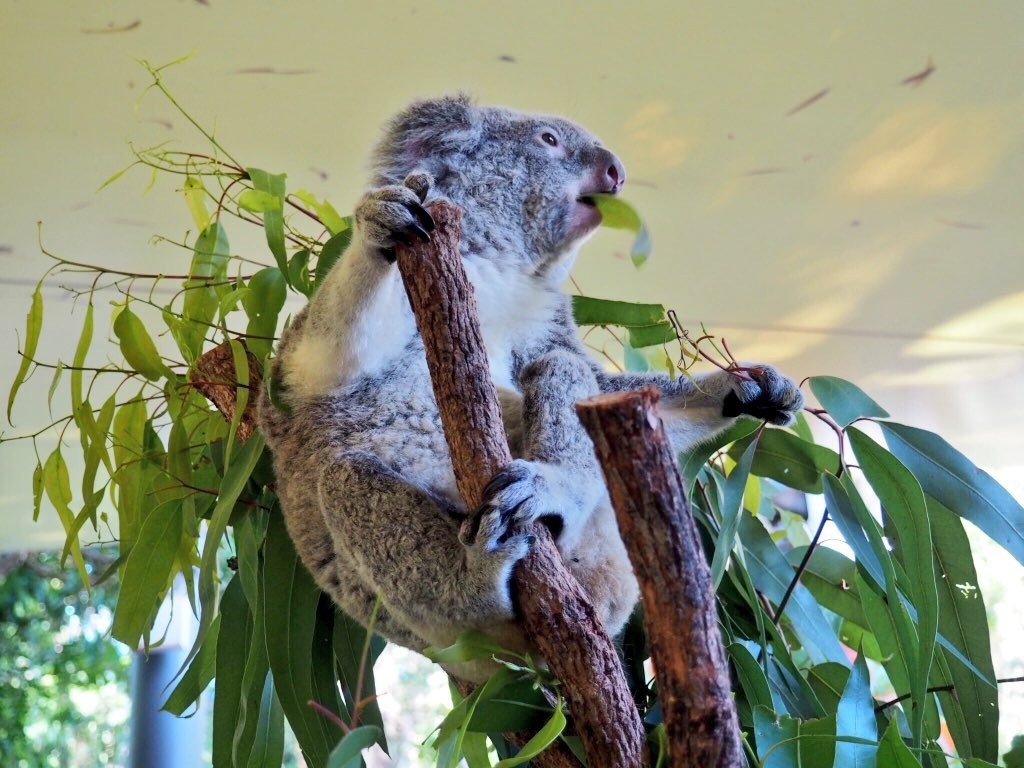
<point x="549" y="138"/>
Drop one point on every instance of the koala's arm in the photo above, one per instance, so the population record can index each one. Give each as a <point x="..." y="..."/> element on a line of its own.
<point x="695" y="408"/>
<point x="360" y="318"/>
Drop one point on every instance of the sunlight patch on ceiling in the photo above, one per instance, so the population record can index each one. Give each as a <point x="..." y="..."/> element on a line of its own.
<point x="991" y="329"/>
<point x="941" y="374"/>
<point x="923" y="151"/>
<point x="655" y="137"/>
<point x="836" y="287"/>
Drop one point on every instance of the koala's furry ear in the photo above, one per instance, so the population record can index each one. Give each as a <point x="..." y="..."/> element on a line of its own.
<point x="427" y="129"/>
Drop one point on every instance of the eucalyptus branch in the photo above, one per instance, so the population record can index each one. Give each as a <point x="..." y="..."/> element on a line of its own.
<point x="83" y="368"/>
<point x="828" y="421"/>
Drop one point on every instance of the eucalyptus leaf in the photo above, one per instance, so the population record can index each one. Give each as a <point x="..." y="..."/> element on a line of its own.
<point x="616" y="213"/>
<point x="694" y="458"/>
<point x="210" y="256"/>
<point x="771" y="575"/>
<point x="904" y="503"/>
<point x="855" y="716"/>
<point x="84" y="342"/>
<point x="348" y="753"/>
<point x="147" y="573"/>
<point x="845" y="402"/>
<point x="291" y="597"/>
<point x="273" y="217"/>
<point x="33" y="326"/>
<point x="137" y="346"/>
<point x="951" y="478"/>
<point x="651" y="335"/>
<point x="229" y="641"/>
<point x="235" y="479"/>
<point x="732" y="509"/>
<point x="539" y="741"/>
<point x="262" y="303"/>
<point x="268" y="742"/>
<point x="329" y="216"/>
<point x="829" y="575"/>
<point x="590" y="311"/>
<point x="892" y="752"/>
<point x="796" y="463"/>
<point x="330" y="254"/>
<point x="195" y="198"/>
<point x="468" y="646"/>
<point x="751" y="677"/>
<point x="57" y="484"/>
<point x="198" y="676"/>
<point x="963" y="620"/>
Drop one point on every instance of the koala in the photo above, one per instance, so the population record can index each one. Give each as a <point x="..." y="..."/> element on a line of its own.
<point x="363" y="470"/>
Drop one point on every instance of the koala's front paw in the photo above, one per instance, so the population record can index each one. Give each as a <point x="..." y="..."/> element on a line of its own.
<point x="395" y="214"/>
<point x="770" y="396"/>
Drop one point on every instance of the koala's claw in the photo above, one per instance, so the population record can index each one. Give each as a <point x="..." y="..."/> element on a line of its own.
<point x="770" y="396"/>
<point x="513" y="499"/>
<point x="426" y="221"/>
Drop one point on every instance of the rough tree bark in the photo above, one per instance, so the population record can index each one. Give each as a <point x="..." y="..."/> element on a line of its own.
<point x="679" y="604"/>
<point x="556" y="614"/>
<point x="215" y="377"/>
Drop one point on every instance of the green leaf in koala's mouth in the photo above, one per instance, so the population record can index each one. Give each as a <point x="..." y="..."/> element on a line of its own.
<point x="616" y="213"/>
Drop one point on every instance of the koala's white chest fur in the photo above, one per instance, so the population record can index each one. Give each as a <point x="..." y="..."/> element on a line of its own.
<point x="511" y="307"/>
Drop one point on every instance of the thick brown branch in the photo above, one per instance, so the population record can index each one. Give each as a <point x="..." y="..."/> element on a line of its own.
<point x="675" y="581"/>
<point x="556" y="614"/>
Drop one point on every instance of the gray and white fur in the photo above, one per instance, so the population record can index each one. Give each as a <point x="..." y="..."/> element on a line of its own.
<point x="363" y="471"/>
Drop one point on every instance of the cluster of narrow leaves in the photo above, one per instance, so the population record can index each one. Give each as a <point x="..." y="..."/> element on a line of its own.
<point x="861" y="657"/>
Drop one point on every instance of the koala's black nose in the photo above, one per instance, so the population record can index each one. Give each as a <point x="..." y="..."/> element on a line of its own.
<point x="614" y="172"/>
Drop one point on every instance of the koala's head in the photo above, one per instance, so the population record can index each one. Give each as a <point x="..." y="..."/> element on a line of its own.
<point x="521" y="178"/>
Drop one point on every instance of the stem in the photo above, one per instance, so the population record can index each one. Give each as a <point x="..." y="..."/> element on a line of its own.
<point x="800" y="570"/>
<point x="316" y="705"/>
<point x="155" y="74"/>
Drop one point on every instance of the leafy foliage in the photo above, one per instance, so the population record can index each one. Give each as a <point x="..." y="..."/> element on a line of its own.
<point x="63" y="684"/>
<point x="854" y="657"/>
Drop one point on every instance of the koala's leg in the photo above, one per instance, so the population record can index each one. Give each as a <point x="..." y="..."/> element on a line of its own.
<point x="553" y="435"/>
<point x="358" y="602"/>
<point x="557" y="479"/>
<point x="695" y="408"/>
<point x="405" y="544"/>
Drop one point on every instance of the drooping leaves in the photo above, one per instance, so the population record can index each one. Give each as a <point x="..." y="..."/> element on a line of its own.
<point x="137" y="346"/>
<point x="33" y="327"/>
<point x="272" y="189"/>
<point x="147" y="573"/>
<point x="952" y="479"/>
<point x="855" y="716"/>
<point x="291" y="597"/>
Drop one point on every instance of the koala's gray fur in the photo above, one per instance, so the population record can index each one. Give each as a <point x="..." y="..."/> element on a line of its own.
<point x="363" y="471"/>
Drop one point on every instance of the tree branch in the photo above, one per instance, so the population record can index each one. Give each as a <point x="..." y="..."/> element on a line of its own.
<point x="680" y="611"/>
<point x="556" y="614"/>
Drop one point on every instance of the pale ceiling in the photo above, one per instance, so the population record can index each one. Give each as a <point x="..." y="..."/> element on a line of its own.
<point x="807" y="201"/>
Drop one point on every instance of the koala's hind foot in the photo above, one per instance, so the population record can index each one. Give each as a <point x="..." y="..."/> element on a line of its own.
<point x="395" y="214"/>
